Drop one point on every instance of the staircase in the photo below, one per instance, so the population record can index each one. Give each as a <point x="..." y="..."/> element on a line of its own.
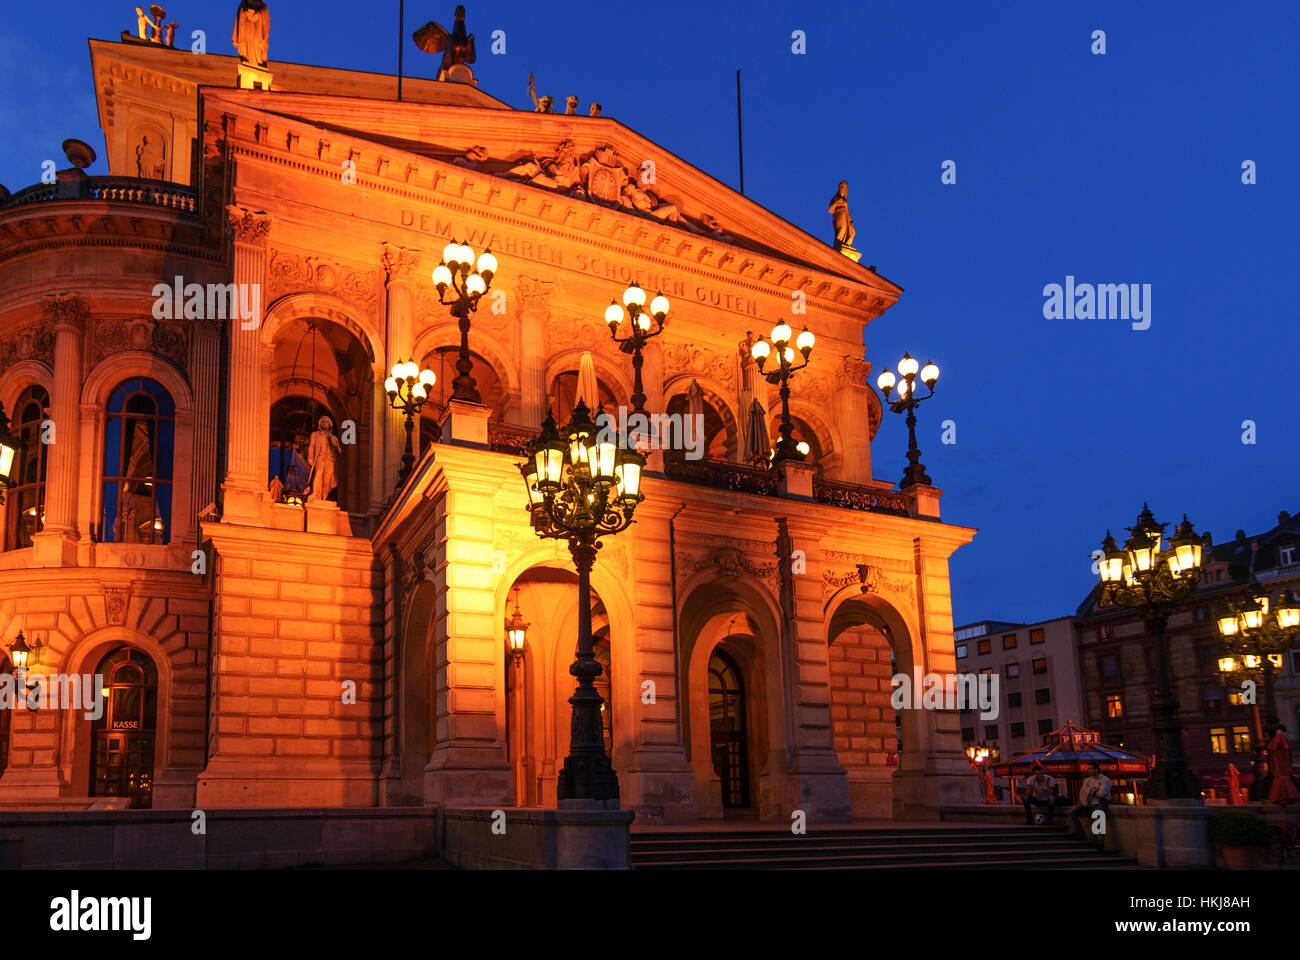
<point x="959" y="847"/>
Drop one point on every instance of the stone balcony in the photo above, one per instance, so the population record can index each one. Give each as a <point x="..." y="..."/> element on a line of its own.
<point x="876" y="497"/>
<point x="73" y="185"/>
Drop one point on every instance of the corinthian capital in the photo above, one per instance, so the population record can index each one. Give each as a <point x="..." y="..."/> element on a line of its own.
<point x="248" y="226"/>
<point x="399" y="262"/>
<point x="65" y="310"/>
<point x="534" y="295"/>
<point x="851" y="372"/>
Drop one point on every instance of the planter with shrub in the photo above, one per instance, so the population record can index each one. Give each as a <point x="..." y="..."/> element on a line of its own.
<point x="1241" y="835"/>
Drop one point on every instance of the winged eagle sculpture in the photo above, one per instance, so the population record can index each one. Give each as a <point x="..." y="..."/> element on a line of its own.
<point x="456" y="47"/>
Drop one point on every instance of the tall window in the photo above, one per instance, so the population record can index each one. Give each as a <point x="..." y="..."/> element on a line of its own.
<point x="1218" y="740"/>
<point x="1114" y="706"/>
<point x="26" y="504"/>
<point x="1241" y="739"/>
<point x="138" y="447"/>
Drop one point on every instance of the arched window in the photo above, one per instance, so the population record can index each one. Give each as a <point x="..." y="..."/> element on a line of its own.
<point x="27" y="501"/>
<point x="728" y="730"/>
<point x="490" y="387"/>
<point x="138" y="447"/>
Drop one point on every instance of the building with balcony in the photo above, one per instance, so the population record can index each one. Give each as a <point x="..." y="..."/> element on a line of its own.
<point x="1117" y="658"/>
<point x="172" y="336"/>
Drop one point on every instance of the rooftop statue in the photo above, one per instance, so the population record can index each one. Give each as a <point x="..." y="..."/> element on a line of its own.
<point x="844" y="230"/>
<point x="456" y="47"/>
<point x="150" y="26"/>
<point x="540" y="104"/>
<point x="252" y="31"/>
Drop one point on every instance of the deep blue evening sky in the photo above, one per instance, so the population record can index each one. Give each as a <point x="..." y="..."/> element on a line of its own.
<point x="1122" y="168"/>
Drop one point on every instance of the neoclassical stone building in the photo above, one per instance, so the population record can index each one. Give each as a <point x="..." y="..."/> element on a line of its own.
<point x="265" y="652"/>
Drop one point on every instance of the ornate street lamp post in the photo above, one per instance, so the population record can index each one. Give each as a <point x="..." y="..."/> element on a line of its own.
<point x="1255" y="633"/>
<point x="908" y="400"/>
<point x="408" y="389"/>
<point x="583" y="484"/>
<point x="786" y="448"/>
<point x="1153" y="578"/>
<point x="645" y="325"/>
<point x="468" y="281"/>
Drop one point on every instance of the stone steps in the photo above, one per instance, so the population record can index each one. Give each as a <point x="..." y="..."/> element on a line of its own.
<point x="958" y="848"/>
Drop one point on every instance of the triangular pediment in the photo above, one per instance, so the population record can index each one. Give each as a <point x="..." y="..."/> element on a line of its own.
<point x="593" y="160"/>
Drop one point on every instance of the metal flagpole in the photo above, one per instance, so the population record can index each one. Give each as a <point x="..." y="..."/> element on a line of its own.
<point x="401" y="30"/>
<point x="740" y="135"/>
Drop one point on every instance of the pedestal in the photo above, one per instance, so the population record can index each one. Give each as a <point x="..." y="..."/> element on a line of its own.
<point x="794" y="478"/>
<point x="253" y="78"/>
<point x="923" y="501"/>
<point x="465" y="423"/>
<point x="322" y="516"/>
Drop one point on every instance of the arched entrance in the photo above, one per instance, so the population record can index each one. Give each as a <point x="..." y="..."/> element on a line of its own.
<point x="728" y="730"/>
<point x="124" y="737"/>
<point x="538" y="684"/>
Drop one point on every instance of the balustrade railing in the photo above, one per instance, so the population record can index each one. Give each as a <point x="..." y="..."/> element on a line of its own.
<point x="154" y="193"/>
<point x="855" y="497"/>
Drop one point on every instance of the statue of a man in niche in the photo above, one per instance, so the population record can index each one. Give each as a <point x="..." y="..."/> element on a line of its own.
<point x="251" y="36"/>
<point x="323" y="454"/>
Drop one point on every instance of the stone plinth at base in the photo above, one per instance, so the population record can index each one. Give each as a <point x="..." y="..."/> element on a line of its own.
<point x="535" y="839"/>
<point x="1168" y="833"/>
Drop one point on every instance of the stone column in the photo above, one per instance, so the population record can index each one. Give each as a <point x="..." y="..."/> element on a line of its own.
<point x="205" y="371"/>
<point x="852" y="417"/>
<point x="243" y="488"/>
<point x="936" y="770"/>
<point x="534" y="299"/>
<point x="658" y="783"/>
<point x="55" y="545"/>
<point x="815" y="780"/>
<point x="469" y="765"/>
<point x="400" y="267"/>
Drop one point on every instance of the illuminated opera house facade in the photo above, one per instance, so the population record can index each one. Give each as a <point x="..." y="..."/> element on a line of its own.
<point x="262" y="648"/>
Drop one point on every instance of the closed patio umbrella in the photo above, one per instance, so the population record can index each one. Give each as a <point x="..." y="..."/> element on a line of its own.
<point x="758" y="446"/>
<point x="587" y="387"/>
<point x="1283" y="790"/>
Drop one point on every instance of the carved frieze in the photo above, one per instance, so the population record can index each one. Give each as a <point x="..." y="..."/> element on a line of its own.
<point x="684" y="359"/>
<point x="295" y="273"/>
<point x="33" y="343"/>
<point x="879" y="575"/>
<point x="732" y="558"/>
<point x="170" y="340"/>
